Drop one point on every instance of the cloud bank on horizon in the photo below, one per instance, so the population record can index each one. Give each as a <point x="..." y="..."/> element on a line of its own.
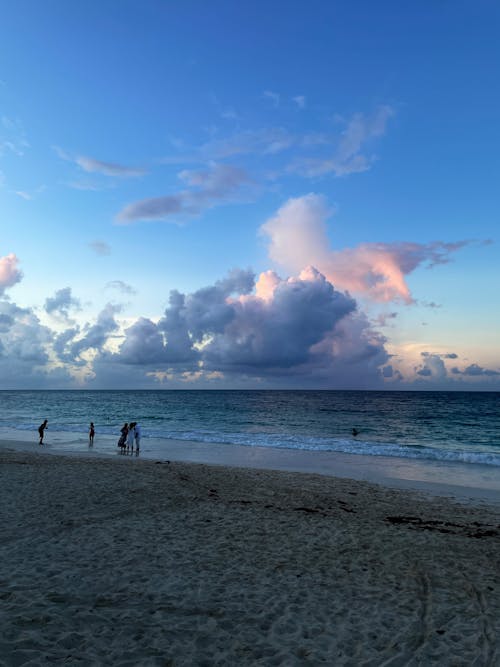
<point x="305" y="330"/>
<point x="138" y="189"/>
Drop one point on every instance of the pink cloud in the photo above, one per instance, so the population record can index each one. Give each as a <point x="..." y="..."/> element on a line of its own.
<point x="298" y="237"/>
<point x="9" y="273"/>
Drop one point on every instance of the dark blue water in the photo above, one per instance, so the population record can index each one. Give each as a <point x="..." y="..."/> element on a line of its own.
<point x="450" y="426"/>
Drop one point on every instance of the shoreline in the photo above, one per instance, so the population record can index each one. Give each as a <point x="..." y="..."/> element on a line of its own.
<point x="182" y="563"/>
<point x="467" y="483"/>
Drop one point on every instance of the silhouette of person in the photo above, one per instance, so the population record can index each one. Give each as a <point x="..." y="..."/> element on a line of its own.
<point x="41" y="431"/>
<point x="137" y="433"/>
<point x="122" y="442"/>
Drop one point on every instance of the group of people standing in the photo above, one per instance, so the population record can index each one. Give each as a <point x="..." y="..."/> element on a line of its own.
<point x="130" y="432"/>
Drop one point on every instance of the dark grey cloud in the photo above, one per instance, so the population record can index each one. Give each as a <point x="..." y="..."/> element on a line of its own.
<point x="296" y="332"/>
<point x="187" y="321"/>
<point x="144" y="344"/>
<point x="307" y="331"/>
<point x="279" y="334"/>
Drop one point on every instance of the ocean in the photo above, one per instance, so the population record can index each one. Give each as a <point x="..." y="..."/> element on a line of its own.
<point x="460" y="427"/>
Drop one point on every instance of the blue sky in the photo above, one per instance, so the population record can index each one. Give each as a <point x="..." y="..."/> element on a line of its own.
<point x="249" y="194"/>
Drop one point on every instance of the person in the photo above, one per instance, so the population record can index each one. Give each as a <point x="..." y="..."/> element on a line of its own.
<point x="130" y="436"/>
<point x="91" y="434"/>
<point x="137" y="430"/>
<point x="41" y="431"/>
<point x="355" y="431"/>
<point x="122" y="442"/>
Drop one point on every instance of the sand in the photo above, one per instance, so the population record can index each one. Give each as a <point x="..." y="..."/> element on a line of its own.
<point x="128" y="562"/>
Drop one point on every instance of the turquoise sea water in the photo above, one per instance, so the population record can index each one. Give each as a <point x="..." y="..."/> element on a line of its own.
<point x="437" y="426"/>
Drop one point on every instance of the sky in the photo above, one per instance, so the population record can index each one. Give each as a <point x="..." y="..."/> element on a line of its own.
<point x="249" y="194"/>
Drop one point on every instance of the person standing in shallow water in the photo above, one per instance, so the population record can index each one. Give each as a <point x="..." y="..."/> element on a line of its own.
<point x="41" y="431"/>
<point x="130" y="436"/>
<point x="91" y="434"/>
<point x="122" y="442"/>
<point x="137" y="432"/>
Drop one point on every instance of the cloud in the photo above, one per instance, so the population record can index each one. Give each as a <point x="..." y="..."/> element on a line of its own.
<point x="92" y="165"/>
<point x="144" y="344"/>
<point x="12" y="137"/>
<point x="242" y="330"/>
<point x="347" y="157"/>
<point x="474" y="370"/>
<point x="24" y="339"/>
<point x="264" y="141"/>
<point x="340" y="153"/>
<point x="121" y="286"/>
<point x="391" y="373"/>
<point x="218" y="184"/>
<point x="96" y="335"/>
<point x="279" y="333"/>
<point x="9" y="273"/>
<point x="26" y="351"/>
<point x="298" y="236"/>
<point x="62" y="342"/>
<point x="432" y="366"/>
<point x="61" y="303"/>
<point x="274" y="97"/>
<point x="24" y="195"/>
<point x="28" y="196"/>
<point x="292" y="330"/>
<point x="382" y="319"/>
<point x="100" y="247"/>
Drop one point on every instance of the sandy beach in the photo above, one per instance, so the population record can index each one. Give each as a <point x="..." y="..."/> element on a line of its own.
<point x="129" y="562"/>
